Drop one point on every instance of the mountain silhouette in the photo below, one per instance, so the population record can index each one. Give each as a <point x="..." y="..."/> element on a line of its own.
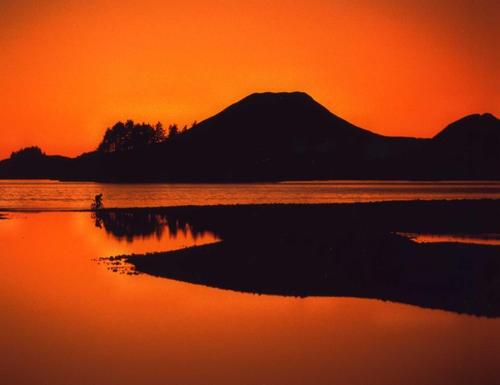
<point x="468" y="148"/>
<point x="279" y="119"/>
<point x="470" y="129"/>
<point x="285" y="136"/>
<point x="31" y="162"/>
<point x="272" y="136"/>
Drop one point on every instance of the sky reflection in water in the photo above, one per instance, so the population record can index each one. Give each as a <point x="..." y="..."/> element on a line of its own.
<point x="66" y="319"/>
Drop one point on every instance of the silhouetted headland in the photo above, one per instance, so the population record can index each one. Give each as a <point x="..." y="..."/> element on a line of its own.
<point x="333" y="250"/>
<point x="271" y="137"/>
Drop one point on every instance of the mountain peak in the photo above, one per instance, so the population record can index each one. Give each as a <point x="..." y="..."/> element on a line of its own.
<point x="274" y="99"/>
<point x="486" y="124"/>
<point x="280" y="116"/>
<point x="298" y="95"/>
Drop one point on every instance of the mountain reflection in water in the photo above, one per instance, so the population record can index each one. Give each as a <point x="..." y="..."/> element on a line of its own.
<point x="329" y="250"/>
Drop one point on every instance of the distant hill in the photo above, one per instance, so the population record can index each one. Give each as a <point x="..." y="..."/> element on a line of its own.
<point x="468" y="148"/>
<point x="285" y="136"/>
<point x="471" y="129"/>
<point x="32" y="163"/>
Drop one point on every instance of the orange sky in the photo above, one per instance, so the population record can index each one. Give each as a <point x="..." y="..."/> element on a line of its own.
<point x="69" y="69"/>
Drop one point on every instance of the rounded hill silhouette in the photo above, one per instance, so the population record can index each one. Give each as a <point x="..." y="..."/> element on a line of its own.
<point x="271" y="137"/>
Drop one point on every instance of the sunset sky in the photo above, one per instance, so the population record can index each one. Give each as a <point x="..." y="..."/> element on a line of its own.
<point x="69" y="69"/>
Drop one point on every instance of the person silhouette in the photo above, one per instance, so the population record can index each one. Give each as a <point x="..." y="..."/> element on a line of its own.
<point x="97" y="204"/>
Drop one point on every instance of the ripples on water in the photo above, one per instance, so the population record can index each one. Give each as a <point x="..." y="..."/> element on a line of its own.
<point x="53" y="195"/>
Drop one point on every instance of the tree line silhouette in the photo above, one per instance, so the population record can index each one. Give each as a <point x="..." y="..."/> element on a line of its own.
<point x="131" y="136"/>
<point x="27" y="153"/>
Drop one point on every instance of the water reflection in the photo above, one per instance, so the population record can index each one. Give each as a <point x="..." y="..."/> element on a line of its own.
<point x="66" y="320"/>
<point x="148" y="231"/>
<point x="323" y="251"/>
<point x="477" y="239"/>
<point x="132" y="225"/>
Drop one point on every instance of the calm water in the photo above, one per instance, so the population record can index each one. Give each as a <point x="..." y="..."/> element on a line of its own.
<point x="478" y="239"/>
<point x="26" y="195"/>
<point x="67" y="319"/>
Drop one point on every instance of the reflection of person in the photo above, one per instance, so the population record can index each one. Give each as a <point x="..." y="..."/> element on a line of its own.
<point x="97" y="205"/>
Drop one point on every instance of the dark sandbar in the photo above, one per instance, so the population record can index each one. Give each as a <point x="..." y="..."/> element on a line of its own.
<point x="338" y="250"/>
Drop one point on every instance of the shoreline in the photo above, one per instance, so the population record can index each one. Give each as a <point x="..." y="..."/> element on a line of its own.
<point x="257" y="205"/>
<point x="331" y="250"/>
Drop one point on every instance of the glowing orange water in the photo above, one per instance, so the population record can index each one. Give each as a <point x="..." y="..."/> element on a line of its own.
<point x="478" y="239"/>
<point x="43" y="195"/>
<point x="67" y="320"/>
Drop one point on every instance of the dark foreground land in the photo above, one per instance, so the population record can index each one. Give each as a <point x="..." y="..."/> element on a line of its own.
<point x="331" y="250"/>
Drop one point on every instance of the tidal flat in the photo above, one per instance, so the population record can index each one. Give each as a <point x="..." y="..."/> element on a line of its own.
<point x="346" y="250"/>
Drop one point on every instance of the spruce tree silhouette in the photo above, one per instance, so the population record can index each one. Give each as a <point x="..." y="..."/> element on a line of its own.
<point x="130" y="136"/>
